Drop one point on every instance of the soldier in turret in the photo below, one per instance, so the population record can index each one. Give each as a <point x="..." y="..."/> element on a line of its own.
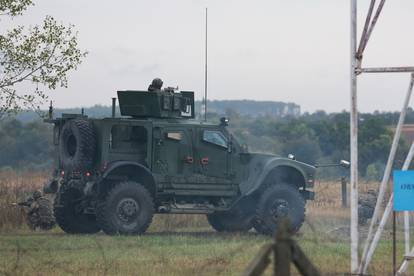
<point x="155" y="85"/>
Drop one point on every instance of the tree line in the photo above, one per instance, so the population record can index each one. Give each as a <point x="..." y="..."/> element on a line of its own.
<point x="315" y="138"/>
<point x="321" y="138"/>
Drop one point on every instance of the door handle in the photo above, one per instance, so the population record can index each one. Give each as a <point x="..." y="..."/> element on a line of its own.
<point x="204" y="161"/>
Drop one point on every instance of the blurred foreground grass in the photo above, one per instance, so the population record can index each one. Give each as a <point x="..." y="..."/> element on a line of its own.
<point x="174" y="244"/>
<point x="186" y="251"/>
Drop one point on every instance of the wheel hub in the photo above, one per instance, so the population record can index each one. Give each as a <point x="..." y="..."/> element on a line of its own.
<point x="127" y="209"/>
<point x="280" y="209"/>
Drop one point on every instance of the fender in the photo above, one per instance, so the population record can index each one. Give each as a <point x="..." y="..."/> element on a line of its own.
<point x="116" y="164"/>
<point x="133" y="170"/>
<point x="261" y="165"/>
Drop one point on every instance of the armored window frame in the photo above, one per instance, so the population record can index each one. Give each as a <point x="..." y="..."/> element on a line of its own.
<point x="124" y="138"/>
<point x="215" y="137"/>
<point x="166" y="102"/>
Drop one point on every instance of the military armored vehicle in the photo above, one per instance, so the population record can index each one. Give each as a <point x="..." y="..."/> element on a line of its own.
<point x="113" y="174"/>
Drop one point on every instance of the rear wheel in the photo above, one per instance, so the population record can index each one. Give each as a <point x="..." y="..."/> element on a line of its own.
<point x="232" y="221"/>
<point x="127" y="209"/>
<point x="69" y="214"/>
<point x="279" y="201"/>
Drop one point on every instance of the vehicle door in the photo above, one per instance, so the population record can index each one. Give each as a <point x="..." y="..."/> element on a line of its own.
<point x="212" y="155"/>
<point x="173" y="158"/>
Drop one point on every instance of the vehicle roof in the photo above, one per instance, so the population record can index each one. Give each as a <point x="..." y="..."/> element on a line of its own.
<point x="157" y="121"/>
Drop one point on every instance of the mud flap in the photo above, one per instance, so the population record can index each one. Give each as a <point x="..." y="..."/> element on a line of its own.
<point x="51" y="187"/>
<point x="308" y="195"/>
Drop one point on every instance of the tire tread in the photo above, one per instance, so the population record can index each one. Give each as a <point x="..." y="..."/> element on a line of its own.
<point x="103" y="210"/>
<point x="259" y="225"/>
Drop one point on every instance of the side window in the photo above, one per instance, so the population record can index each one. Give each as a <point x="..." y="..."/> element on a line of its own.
<point x="215" y="137"/>
<point x="128" y="138"/>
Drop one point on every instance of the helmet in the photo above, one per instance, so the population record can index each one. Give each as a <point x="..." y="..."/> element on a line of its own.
<point x="37" y="194"/>
<point x="156" y="84"/>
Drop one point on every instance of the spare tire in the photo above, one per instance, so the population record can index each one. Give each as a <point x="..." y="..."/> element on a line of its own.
<point x="77" y="145"/>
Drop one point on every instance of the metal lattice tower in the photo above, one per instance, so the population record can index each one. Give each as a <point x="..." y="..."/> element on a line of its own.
<point x="357" y="51"/>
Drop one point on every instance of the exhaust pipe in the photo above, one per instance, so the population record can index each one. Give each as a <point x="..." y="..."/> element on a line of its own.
<point x="163" y="209"/>
<point x="113" y="107"/>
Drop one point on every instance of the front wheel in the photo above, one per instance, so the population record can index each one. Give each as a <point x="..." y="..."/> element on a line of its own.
<point x="279" y="201"/>
<point x="127" y="209"/>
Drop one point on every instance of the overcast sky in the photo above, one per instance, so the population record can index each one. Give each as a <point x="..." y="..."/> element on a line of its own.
<point x="291" y="50"/>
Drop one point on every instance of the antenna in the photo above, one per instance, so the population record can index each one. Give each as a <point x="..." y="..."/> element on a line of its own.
<point x="205" y="76"/>
<point x="51" y="110"/>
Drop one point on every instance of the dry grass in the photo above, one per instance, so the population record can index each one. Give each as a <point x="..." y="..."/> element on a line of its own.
<point x="174" y="244"/>
<point x="14" y="187"/>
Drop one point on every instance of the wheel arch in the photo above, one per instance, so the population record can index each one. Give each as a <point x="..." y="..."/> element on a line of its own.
<point x="126" y="170"/>
<point x="279" y="173"/>
<point x="284" y="174"/>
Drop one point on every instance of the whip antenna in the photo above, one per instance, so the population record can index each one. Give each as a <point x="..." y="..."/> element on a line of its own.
<point x="205" y="76"/>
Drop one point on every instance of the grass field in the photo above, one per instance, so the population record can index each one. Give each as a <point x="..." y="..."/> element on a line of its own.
<point x="174" y="244"/>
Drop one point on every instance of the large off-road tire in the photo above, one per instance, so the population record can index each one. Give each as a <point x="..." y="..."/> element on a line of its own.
<point x="277" y="202"/>
<point x="231" y="221"/>
<point x="77" y="145"/>
<point x="127" y="209"/>
<point x="70" y="217"/>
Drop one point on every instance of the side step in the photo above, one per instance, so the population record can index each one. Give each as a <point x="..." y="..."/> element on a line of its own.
<point x="201" y="192"/>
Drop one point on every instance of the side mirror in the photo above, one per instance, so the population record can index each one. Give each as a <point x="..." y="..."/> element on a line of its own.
<point x="345" y="164"/>
<point x="291" y="156"/>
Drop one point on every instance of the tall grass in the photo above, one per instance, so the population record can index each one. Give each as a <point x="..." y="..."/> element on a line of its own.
<point x="171" y="247"/>
<point x="16" y="186"/>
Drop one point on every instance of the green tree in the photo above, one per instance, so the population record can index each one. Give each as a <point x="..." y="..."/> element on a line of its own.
<point x="372" y="173"/>
<point x="305" y="149"/>
<point x="25" y="145"/>
<point x="41" y="55"/>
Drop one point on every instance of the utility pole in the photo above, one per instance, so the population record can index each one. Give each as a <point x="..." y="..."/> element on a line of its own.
<point x="354" y="142"/>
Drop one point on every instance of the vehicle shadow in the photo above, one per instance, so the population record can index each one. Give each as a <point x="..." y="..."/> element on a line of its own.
<point x="196" y="234"/>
